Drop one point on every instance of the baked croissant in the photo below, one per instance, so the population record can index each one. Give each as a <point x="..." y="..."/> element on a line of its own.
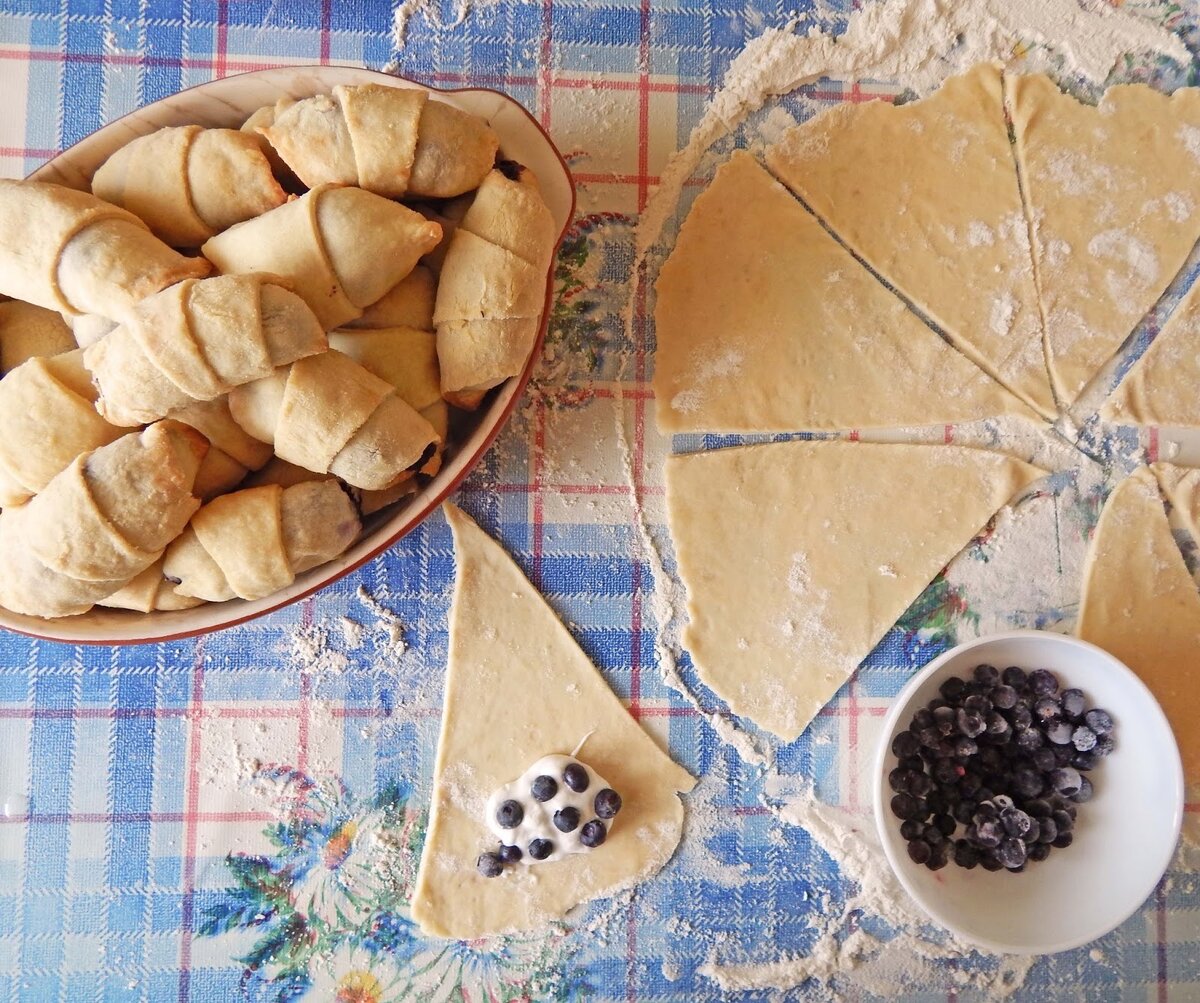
<point x="390" y="140"/>
<point x="328" y="414"/>
<point x="409" y="303"/>
<point x="100" y="522"/>
<point x="254" y="542"/>
<point x="188" y="183"/>
<point x="340" y="249"/>
<point x="48" y="417"/>
<point x="27" y="331"/>
<point x="68" y="251"/>
<point x="231" y="455"/>
<point x="196" y="341"/>
<point x="150" y="591"/>
<point x="492" y="287"/>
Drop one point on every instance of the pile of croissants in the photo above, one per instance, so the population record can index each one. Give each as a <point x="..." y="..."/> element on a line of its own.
<point x="243" y="341"/>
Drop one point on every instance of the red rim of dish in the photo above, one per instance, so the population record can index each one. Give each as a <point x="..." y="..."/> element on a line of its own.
<point x="472" y="462"/>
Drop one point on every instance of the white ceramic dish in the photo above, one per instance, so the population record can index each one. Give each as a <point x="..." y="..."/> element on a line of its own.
<point x="1124" y="837"/>
<point x="228" y="102"/>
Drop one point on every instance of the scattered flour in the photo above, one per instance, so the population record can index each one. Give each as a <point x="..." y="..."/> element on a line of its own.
<point x="430" y="10"/>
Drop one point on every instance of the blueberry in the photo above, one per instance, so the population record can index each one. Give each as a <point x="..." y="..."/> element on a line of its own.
<point x="920" y="784"/>
<point x="915" y="763"/>
<point x="978" y="704"/>
<point x="607" y="803"/>
<point x="990" y="863"/>
<point x="1002" y="801"/>
<point x="1016" y="823"/>
<point x="540" y="849"/>
<point x="1022" y="717"/>
<point x="1027" y="782"/>
<point x="911" y="829"/>
<point x="1011" y="853"/>
<point x="986" y="810"/>
<point x="543" y="788"/>
<point x="965" y="748"/>
<point x="566" y="819"/>
<point x="989" y="833"/>
<point x="1046" y="708"/>
<point x="593" y="833"/>
<point x="1043" y="759"/>
<point x="1063" y="754"/>
<point x="1038" y="808"/>
<point x="1028" y="739"/>
<point x="939" y="856"/>
<point x="1013" y="676"/>
<point x="1100" y="721"/>
<point x="1047" y="830"/>
<point x="929" y="737"/>
<point x="510" y="814"/>
<point x="1059" y="732"/>
<point x="921" y="719"/>
<point x="1066" y="780"/>
<point x="1084" y="760"/>
<point x="1042" y="682"/>
<point x="576" y="777"/>
<point x="510" y="854"/>
<point x="964" y="812"/>
<point x="943" y="720"/>
<point x="945" y="771"/>
<point x="919" y="851"/>
<point x="489" y="865"/>
<point x="965" y="855"/>
<point x="1083" y="738"/>
<point x="969" y="723"/>
<point x="905" y="744"/>
<point x="1104" y="744"/>
<point x="1073" y="703"/>
<point x="969" y="783"/>
<point x="932" y="834"/>
<point x="1063" y="821"/>
<point x="951" y="688"/>
<point x="1085" y="791"/>
<point x="1039" y="851"/>
<point x="987" y="675"/>
<point x="1004" y="697"/>
<point x="1063" y="841"/>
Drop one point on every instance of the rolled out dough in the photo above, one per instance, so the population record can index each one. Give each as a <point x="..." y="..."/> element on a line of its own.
<point x="799" y="556"/>
<point x="517" y="688"/>
<point x="1162" y="387"/>
<point x="1141" y="604"/>
<point x="1181" y="487"/>
<point x="927" y="194"/>
<point x="766" y="323"/>
<point x="1114" y="193"/>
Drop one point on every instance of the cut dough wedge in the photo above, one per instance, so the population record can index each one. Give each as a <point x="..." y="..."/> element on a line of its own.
<point x="1181" y="487"/>
<point x="799" y="556"/>
<point x="927" y="194"/>
<point x="1141" y="604"/>
<point x="1114" y="195"/>
<point x="1161" y="387"/>
<point x="518" y="687"/>
<point x="766" y="323"/>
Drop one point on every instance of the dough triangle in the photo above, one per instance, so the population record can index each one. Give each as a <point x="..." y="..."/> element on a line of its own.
<point x="1141" y="604"/>
<point x="799" y="556"/>
<point x="927" y="194"/>
<point x="1181" y="487"/>
<point x="1161" y="387"/>
<point x="765" y="323"/>
<point x="1114" y="194"/>
<point x="518" y="687"/>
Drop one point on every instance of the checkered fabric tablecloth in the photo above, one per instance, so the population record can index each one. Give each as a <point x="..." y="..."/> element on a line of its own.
<point x="239" y="816"/>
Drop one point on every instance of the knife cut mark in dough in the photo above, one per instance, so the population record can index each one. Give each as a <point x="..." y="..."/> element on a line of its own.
<point x="1161" y="388"/>
<point x="927" y="194"/>
<point x="1113" y="192"/>
<point x="518" y="687"/>
<point x="1141" y="604"/>
<point x="799" y="556"/>
<point x="766" y="323"/>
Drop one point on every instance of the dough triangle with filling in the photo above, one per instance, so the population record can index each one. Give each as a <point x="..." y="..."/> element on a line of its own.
<point x="1161" y="387"/>
<point x="927" y="194"/>
<point x="766" y="323"/>
<point x="518" y="688"/>
<point x="1141" y="604"/>
<point x="1114" y="195"/>
<point x="799" y="556"/>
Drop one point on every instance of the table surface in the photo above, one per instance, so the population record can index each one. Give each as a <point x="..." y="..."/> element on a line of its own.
<point x="238" y="816"/>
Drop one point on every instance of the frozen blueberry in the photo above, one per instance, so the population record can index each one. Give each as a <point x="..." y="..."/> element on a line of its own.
<point x="988" y="675"/>
<point x="904" y="806"/>
<point x="510" y="814"/>
<point x="1047" y="830"/>
<point x="932" y="834"/>
<point x="965" y="748"/>
<point x="1027" y="782"/>
<point x="510" y="854"/>
<point x="990" y="863"/>
<point x="1100" y="721"/>
<point x="1042" y="682"/>
<point x="1083" y="738"/>
<point x="607" y="803"/>
<point x="1104" y="744"/>
<point x="919" y="851"/>
<point x="920" y="785"/>
<point x="1063" y="841"/>
<point x="939" y="856"/>
<point x="911" y="829"/>
<point x="1028" y="739"/>
<point x="943" y="720"/>
<point x="1043" y="759"/>
<point x="576" y="777"/>
<point x="1066" y="781"/>
<point x="951" y="688"/>
<point x="593" y="833"/>
<point x="1017" y="823"/>
<point x="566" y="819"/>
<point x="1011" y="853"/>
<point x="540" y="849"/>
<point x="905" y="744"/>
<point x="1004" y="697"/>
<point x="1002" y="801"/>
<point x="1063" y="754"/>
<point x="945" y="823"/>
<point x="970" y="723"/>
<point x="1073" y="703"/>
<point x="989" y="833"/>
<point x="1039" y="851"/>
<point x="965" y="855"/>
<point x="1046" y="708"/>
<point x="1085" y="791"/>
<point x="543" y="788"/>
<point x="489" y="865"/>
<point x="1014" y="676"/>
<point x="977" y="703"/>
<point x="921" y="719"/>
<point x="1063" y="820"/>
<point x="1084" y="760"/>
<point x="1022" y="717"/>
<point x="1038" y="808"/>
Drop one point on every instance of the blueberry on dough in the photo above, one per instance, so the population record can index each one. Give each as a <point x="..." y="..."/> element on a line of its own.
<point x="576" y="777"/>
<point x="593" y="834"/>
<point x="510" y="854"/>
<point x="489" y="865"/>
<point x="566" y="819"/>
<point x="607" y="803"/>
<point x="510" y="814"/>
<point x="543" y="788"/>
<point x="540" y="849"/>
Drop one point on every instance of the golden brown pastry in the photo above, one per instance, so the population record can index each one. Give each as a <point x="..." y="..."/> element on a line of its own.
<point x="150" y="591"/>
<point x="100" y="522"/>
<point x="196" y="341"/>
<point x="188" y="183"/>
<point x="27" y="331"/>
<point x="409" y="303"/>
<point x="69" y="251"/>
<point x="340" y="249"/>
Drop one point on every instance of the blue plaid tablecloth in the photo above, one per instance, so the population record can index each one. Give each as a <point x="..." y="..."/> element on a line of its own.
<point x="239" y="816"/>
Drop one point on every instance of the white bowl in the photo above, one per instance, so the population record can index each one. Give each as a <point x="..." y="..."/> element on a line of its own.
<point x="1125" y="835"/>
<point x="228" y="102"/>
